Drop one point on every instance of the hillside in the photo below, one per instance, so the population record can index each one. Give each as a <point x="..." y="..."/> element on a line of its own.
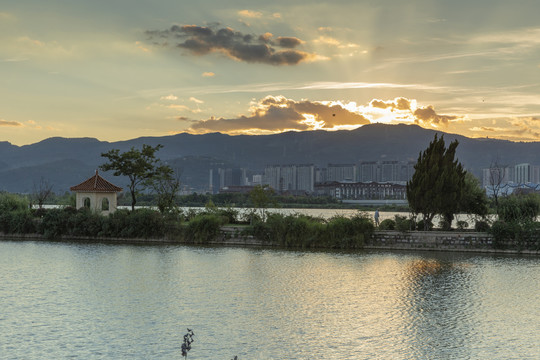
<point x="65" y="162"/>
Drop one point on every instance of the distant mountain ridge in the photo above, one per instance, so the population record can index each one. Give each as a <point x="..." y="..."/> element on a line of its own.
<point x="65" y="162"/>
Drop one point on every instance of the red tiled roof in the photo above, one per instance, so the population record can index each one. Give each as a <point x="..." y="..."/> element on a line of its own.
<point x="96" y="184"/>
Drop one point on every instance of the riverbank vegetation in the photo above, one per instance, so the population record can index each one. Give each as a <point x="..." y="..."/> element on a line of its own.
<point x="439" y="187"/>
<point x="197" y="227"/>
<point x="515" y="228"/>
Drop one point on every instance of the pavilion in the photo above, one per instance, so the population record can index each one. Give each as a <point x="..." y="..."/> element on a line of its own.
<point x="97" y="194"/>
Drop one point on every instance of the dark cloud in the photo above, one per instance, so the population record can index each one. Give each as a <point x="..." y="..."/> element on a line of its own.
<point x="9" y="123"/>
<point x="201" y="40"/>
<point x="276" y="114"/>
<point x="428" y="115"/>
<point x="288" y="42"/>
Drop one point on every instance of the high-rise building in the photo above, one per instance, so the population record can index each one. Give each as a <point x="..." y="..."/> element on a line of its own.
<point x="522" y="173"/>
<point x="341" y="172"/>
<point x="290" y="178"/>
<point x="390" y="171"/>
<point x="369" y="171"/>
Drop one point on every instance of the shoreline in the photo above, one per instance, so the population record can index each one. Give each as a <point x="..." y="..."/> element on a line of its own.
<point x="225" y="239"/>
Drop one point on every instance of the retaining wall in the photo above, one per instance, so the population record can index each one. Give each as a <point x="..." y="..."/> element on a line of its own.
<point x="437" y="241"/>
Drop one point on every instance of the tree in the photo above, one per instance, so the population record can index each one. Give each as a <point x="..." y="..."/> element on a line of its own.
<point x="437" y="184"/>
<point x="166" y="186"/>
<point x="140" y="166"/>
<point x="497" y="177"/>
<point x="261" y="197"/>
<point x="474" y="199"/>
<point x="42" y="191"/>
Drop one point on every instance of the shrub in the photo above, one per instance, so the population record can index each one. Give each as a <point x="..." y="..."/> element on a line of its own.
<point x="420" y="225"/>
<point x="403" y="224"/>
<point x="17" y="222"/>
<point x="462" y="224"/>
<point x="517" y="235"/>
<point x="305" y="231"/>
<point x="54" y="223"/>
<point x="481" y="226"/>
<point x="144" y="223"/>
<point x="12" y="202"/>
<point x="445" y="225"/>
<point x="387" y="224"/>
<point x="203" y="228"/>
<point x="519" y="208"/>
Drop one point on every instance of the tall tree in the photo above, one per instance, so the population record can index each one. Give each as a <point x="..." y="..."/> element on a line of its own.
<point x="262" y="197"/>
<point x="437" y="183"/>
<point x="42" y="191"/>
<point x="497" y="177"/>
<point x="166" y="186"/>
<point x="140" y="166"/>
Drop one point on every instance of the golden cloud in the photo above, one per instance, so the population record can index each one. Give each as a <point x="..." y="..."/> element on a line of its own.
<point x="9" y="123"/>
<point x="277" y="114"/>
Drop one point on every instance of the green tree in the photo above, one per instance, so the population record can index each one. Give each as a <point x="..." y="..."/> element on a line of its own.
<point x="437" y="183"/>
<point x="262" y="197"/>
<point x="166" y="186"/>
<point x="474" y="199"/>
<point x="140" y="166"/>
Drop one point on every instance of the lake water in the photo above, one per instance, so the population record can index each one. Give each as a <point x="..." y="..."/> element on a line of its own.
<point x="97" y="301"/>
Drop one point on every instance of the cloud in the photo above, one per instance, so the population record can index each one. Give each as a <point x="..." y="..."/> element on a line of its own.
<point x="288" y="42"/>
<point x="170" y="97"/>
<point x="250" y="14"/>
<point x="427" y="115"/>
<point x="203" y="40"/>
<point x="208" y="74"/>
<point x="273" y="114"/>
<point x="276" y="114"/>
<point x="9" y="123"/>
<point x="396" y="104"/>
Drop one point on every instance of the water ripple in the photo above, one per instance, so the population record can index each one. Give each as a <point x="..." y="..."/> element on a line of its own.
<point x="101" y="302"/>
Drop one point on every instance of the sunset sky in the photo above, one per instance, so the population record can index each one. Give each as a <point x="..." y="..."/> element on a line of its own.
<point x="120" y="69"/>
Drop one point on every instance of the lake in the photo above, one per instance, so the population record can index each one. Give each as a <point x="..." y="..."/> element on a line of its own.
<point x="102" y="301"/>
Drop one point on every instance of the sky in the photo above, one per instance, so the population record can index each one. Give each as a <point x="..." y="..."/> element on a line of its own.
<point x="121" y="69"/>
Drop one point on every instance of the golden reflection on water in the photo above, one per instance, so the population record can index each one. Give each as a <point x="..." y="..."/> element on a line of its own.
<point x="97" y="301"/>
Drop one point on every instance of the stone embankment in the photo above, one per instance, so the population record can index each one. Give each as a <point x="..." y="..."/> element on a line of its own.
<point x="439" y="241"/>
<point x="380" y="240"/>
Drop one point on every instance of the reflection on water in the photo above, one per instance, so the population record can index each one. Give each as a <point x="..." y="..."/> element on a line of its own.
<point x="98" y="301"/>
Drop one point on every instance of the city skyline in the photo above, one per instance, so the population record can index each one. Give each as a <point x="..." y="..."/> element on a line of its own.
<point x="120" y="70"/>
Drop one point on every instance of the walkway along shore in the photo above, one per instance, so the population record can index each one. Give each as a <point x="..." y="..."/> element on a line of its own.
<point x="453" y="241"/>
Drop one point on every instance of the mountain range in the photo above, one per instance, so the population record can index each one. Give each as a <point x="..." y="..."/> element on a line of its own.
<point x="65" y="162"/>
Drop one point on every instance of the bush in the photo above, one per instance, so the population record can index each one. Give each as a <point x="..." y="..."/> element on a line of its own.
<point x="516" y="235"/>
<point x="309" y="232"/>
<point x="17" y="222"/>
<point x="403" y="224"/>
<point x="462" y="225"/>
<point x="144" y="223"/>
<point x="54" y="223"/>
<point x="420" y="225"/>
<point x="445" y="225"/>
<point x="12" y="202"/>
<point x="203" y="228"/>
<point x="519" y="208"/>
<point x="387" y="224"/>
<point x="481" y="226"/>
